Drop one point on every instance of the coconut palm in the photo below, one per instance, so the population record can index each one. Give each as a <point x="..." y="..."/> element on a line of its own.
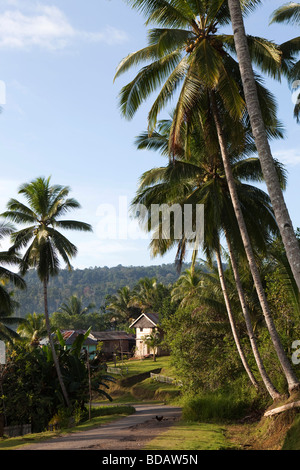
<point x="146" y="294"/>
<point x="263" y="147"/>
<point x="33" y="329"/>
<point x="121" y="305"/>
<point x="8" y="278"/>
<point x="201" y="179"/>
<point x="187" y="287"/>
<point x="74" y="307"/>
<point x="45" y="244"/>
<point x="153" y="341"/>
<point x="187" y="52"/>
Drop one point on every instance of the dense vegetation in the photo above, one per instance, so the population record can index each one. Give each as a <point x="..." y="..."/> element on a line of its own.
<point x="92" y="285"/>
<point x="231" y="324"/>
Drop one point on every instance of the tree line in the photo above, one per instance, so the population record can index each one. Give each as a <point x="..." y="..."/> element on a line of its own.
<point x="92" y="285"/>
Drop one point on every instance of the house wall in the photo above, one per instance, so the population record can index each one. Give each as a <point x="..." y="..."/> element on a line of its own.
<point x="141" y="348"/>
<point x="116" y="346"/>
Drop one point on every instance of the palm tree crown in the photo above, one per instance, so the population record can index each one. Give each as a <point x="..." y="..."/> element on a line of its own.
<point x="45" y="205"/>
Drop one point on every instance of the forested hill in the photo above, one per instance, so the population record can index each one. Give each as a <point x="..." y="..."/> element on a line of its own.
<point x="92" y="284"/>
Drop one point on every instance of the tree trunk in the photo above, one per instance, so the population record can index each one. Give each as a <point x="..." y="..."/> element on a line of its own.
<point x="291" y="378"/>
<point x="281" y="409"/>
<point x="265" y="378"/>
<point x="282" y="216"/>
<point x="55" y="359"/>
<point x="231" y="319"/>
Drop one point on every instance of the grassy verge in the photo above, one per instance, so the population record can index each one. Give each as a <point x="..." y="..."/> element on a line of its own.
<point x="192" y="436"/>
<point x="100" y="415"/>
<point x="292" y="438"/>
<point x="141" y="366"/>
<point x="136" y="386"/>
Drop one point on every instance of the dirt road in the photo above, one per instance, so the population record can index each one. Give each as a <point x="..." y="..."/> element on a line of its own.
<point x="129" y="433"/>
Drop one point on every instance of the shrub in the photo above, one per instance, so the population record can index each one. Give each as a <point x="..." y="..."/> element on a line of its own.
<point x="214" y="408"/>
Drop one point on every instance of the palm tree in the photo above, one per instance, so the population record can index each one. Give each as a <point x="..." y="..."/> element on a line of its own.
<point x="145" y="294"/>
<point x="122" y="306"/>
<point x="33" y="329"/>
<point x="187" y="51"/>
<point x="75" y="307"/>
<point x="44" y="243"/>
<point x="7" y="302"/>
<point x="201" y="179"/>
<point x="187" y="287"/>
<point x="153" y="341"/>
<point x="263" y="147"/>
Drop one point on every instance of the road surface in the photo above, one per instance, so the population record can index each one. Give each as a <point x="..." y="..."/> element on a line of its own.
<point x="128" y="433"/>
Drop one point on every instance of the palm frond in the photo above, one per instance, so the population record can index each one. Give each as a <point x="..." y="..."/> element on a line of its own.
<point x="73" y="225"/>
<point x="146" y="54"/>
<point x="288" y="13"/>
<point x="12" y="277"/>
<point x="147" y="80"/>
<point x="169" y="13"/>
<point x="167" y="92"/>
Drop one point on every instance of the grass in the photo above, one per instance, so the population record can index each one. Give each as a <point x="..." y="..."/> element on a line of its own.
<point x="214" y="408"/>
<point x="135" y="386"/>
<point x="191" y="436"/>
<point x="141" y="366"/>
<point x="153" y="390"/>
<point x="100" y="415"/>
<point x="292" y="438"/>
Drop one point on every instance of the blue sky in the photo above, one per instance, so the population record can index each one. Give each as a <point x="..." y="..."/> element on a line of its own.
<point x="61" y="116"/>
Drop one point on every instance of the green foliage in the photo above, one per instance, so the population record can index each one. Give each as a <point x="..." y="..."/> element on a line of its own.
<point x="92" y="285"/>
<point x="215" y="408"/>
<point x="31" y="391"/>
<point x="29" y="386"/>
<point x="33" y="329"/>
<point x="292" y="439"/>
<point x="202" y="349"/>
<point x="97" y="320"/>
<point x="42" y="217"/>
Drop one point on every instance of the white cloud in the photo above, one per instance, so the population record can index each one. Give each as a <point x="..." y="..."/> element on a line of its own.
<point x="288" y="157"/>
<point x="109" y="36"/>
<point x="47" y="27"/>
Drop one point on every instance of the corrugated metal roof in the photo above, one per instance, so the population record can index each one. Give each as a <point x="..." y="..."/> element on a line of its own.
<point x="94" y="336"/>
<point x="112" y="335"/>
<point x="70" y="336"/>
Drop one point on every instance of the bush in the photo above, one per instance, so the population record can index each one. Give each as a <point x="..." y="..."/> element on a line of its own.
<point x="214" y="408"/>
<point x="31" y="393"/>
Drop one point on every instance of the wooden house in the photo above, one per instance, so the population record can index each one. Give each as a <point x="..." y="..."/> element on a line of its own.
<point x="145" y="325"/>
<point x="113" y="342"/>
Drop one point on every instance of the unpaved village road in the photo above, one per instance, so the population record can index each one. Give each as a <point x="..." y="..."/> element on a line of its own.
<point x="129" y="433"/>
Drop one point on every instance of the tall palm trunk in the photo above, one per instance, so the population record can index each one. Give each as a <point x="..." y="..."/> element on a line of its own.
<point x="266" y="380"/>
<point x="231" y="319"/>
<point x="291" y="378"/>
<point x="55" y="359"/>
<point x="284" y="222"/>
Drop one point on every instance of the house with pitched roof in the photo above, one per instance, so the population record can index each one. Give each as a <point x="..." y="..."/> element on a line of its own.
<point x="113" y="342"/>
<point x="145" y="325"/>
